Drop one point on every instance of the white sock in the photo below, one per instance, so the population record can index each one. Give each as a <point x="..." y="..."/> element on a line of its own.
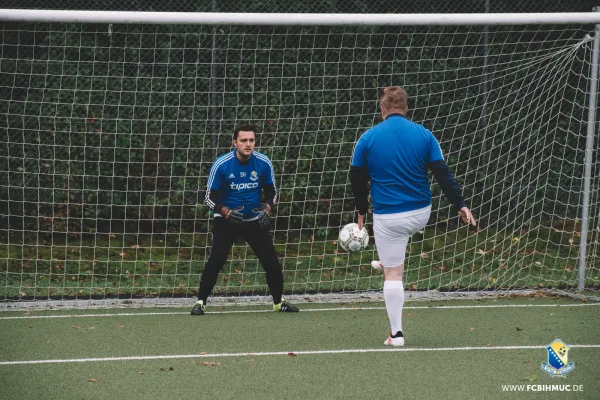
<point x="393" y="293"/>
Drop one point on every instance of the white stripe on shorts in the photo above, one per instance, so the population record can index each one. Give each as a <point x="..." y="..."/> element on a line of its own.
<point x="392" y="232"/>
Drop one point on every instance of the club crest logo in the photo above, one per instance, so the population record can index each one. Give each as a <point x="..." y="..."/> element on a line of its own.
<point x="557" y="364"/>
<point x="253" y="176"/>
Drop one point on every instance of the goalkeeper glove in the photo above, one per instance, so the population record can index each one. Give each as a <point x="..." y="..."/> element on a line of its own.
<point x="234" y="215"/>
<point x="263" y="215"/>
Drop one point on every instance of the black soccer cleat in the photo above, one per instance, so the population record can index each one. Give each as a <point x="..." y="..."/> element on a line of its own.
<point x="198" y="308"/>
<point x="284" y="306"/>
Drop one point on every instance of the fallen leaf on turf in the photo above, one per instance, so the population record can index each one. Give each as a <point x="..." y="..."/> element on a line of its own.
<point x="251" y="360"/>
<point x="291" y="354"/>
<point x="211" y="364"/>
<point x="92" y="380"/>
<point x="119" y="325"/>
<point x="75" y="327"/>
<point x="481" y="251"/>
<point x="141" y="372"/>
<point x="424" y="256"/>
<point x="204" y="352"/>
<point x="471" y="329"/>
<point x="527" y="362"/>
<point x="489" y="345"/>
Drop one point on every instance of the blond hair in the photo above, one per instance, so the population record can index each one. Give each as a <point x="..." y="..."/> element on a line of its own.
<point x="393" y="98"/>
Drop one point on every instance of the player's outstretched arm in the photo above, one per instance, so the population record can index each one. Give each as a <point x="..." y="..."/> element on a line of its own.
<point x="359" y="179"/>
<point x="451" y="189"/>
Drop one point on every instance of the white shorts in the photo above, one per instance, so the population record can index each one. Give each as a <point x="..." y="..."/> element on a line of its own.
<point x="392" y="232"/>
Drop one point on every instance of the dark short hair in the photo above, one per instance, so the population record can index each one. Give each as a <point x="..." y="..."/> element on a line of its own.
<point x="243" y="127"/>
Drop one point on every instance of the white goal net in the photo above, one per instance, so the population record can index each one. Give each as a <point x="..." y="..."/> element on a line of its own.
<point x="107" y="133"/>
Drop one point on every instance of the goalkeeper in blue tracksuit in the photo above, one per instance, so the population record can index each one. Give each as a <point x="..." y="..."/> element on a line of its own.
<point x="235" y="186"/>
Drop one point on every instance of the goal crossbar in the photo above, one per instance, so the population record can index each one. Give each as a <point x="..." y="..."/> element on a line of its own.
<point x="199" y="18"/>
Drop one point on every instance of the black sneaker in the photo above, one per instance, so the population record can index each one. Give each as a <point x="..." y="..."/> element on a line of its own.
<point x="198" y="308"/>
<point x="284" y="306"/>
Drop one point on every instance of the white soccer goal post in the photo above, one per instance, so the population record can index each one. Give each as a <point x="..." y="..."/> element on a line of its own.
<point x="109" y="122"/>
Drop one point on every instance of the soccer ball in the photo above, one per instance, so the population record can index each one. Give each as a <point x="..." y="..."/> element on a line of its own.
<point x="352" y="239"/>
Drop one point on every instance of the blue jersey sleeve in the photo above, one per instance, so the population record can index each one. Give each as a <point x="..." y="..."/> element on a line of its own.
<point x="435" y="151"/>
<point x="268" y="172"/>
<point x="214" y="176"/>
<point x="359" y="158"/>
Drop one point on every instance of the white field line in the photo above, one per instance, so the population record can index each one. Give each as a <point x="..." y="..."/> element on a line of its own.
<point x="268" y="310"/>
<point x="285" y="353"/>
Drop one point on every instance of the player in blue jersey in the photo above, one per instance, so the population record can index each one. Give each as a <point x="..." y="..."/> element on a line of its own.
<point x="236" y="183"/>
<point x="395" y="156"/>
